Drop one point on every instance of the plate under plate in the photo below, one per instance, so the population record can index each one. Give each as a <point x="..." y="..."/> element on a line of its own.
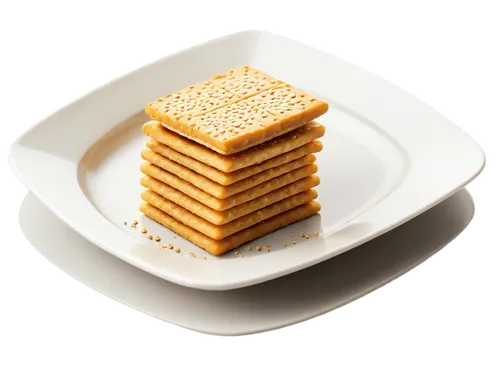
<point x="274" y="304"/>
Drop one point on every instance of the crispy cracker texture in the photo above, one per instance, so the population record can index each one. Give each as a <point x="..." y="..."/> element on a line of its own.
<point x="227" y="179"/>
<point x="236" y="110"/>
<point x="218" y="232"/>
<point x="219" y="247"/>
<point x="216" y="189"/>
<point x="233" y="200"/>
<point x="226" y="216"/>
<point x="250" y="157"/>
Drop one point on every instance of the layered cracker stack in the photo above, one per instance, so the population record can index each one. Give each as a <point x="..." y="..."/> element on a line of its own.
<point x="231" y="159"/>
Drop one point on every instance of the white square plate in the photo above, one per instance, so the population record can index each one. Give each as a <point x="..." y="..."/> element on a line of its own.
<point x="278" y="303"/>
<point x="387" y="158"/>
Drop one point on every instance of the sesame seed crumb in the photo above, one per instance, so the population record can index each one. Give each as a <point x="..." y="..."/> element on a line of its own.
<point x="150" y="237"/>
<point x="236" y="253"/>
<point x="294" y="242"/>
<point x="143" y="230"/>
<point x="170" y="246"/>
<point x="285" y="244"/>
<point x="204" y="258"/>
<point x="135" y="222"/>
<point x="316" y="234"/>
<point x="124" y="223"/>
<point x="302" y="234"/>
<point x="258" y="248"/>
<point x="307" y="236"/>
<point x="157" y="239"/>
<point x="177" y="250"/>
<point x="249" y="248"/>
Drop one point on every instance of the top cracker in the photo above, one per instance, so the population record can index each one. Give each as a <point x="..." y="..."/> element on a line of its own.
<point x="235" y="111"/>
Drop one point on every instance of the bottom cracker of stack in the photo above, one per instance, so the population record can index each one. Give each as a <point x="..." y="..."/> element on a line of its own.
<point x="218" y="247"/>
<point x="221" y="231"/>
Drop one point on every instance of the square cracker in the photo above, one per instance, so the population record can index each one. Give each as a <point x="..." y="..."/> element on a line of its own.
<point x="195" y="100"/>
<point x="226" y="216"/>
<point x="234" y="200"/>
<point x="244" y="159"/>
<point x="218" y="232"/>
<point x="215" y="189"/>
<point x="287" y="103"/>
<point x="229" y="120"/>
<point x="218" y="247"/>
<point x="232" y="177"/>
<point x="245" y="81"/>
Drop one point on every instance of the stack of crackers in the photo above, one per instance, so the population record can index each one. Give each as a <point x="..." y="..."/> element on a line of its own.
<point x="231" y="159"/>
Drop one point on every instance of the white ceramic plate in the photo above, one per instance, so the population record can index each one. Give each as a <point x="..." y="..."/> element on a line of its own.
<point x="277" y="303"/>
<point x="387" y="158"/>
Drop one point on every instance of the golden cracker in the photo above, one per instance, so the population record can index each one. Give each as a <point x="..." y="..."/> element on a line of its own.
<point x="234" y="200"/>
<point x="215" y="189"/>
<point x="226" y="216"/>
<point x="230" y="120"/>
<point x="218" y="232"/>
<point x="235" y="82"/>
<point x="218" y="247"/>
<point x="244" y="159"/>
<point x="233" y="177"/>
